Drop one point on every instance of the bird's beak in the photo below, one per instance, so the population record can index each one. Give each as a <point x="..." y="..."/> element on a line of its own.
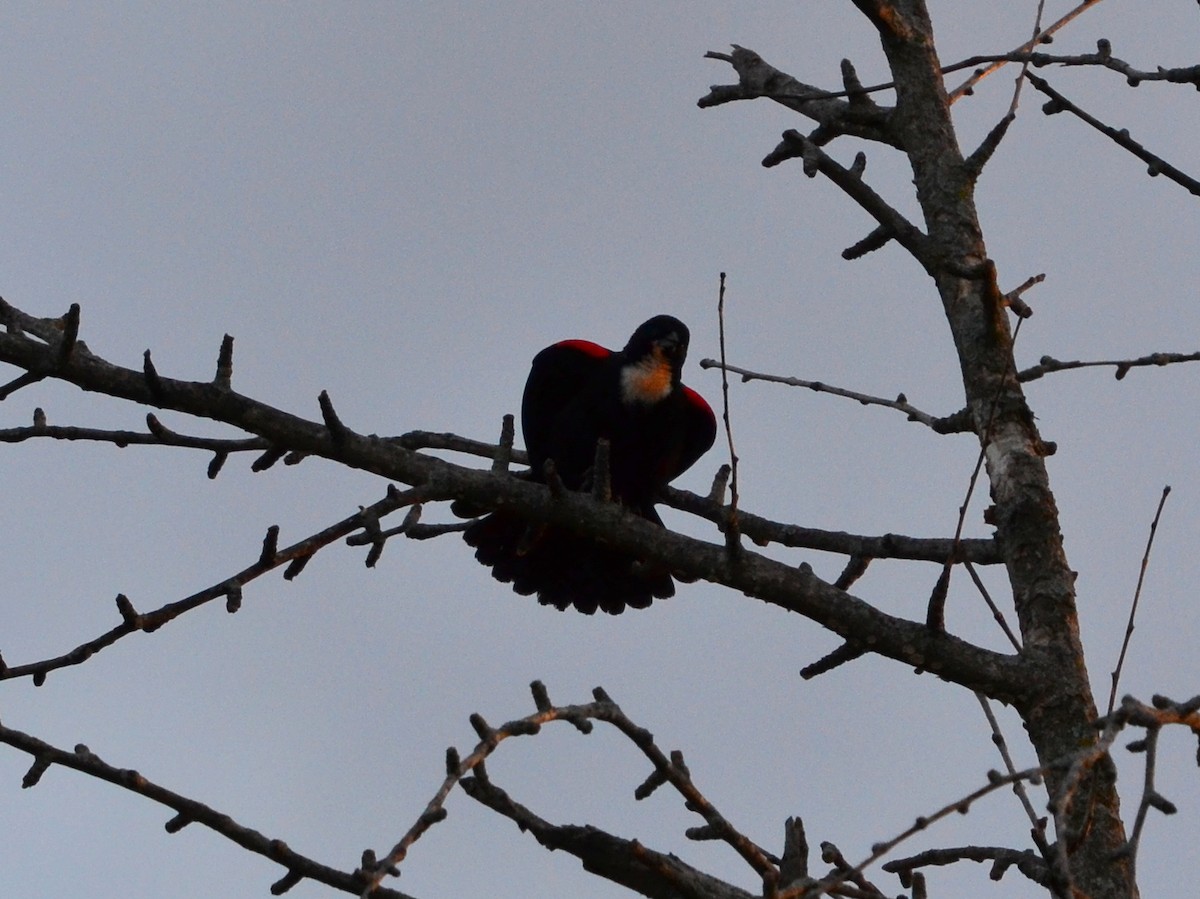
<point x="671" y="346"/>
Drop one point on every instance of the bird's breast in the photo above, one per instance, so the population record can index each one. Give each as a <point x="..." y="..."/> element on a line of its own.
<point x="647" y="381"/>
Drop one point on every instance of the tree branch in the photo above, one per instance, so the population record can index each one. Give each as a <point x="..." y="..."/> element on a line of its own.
<point x="901" y="404"/>
<point x="798" y="590"/>
<point x="756" y="78"/>
<point x="1156" y="165"/>
<point x="294" y="556"/>
<point x="1048" y="364"/>
<point x="796" y="145"/>
<point x="626" y="862"/>
<point x="622" y="861"/>
<point x="189" y="810"/>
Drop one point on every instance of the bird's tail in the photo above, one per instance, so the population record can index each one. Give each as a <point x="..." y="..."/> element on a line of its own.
<point x="563" y="569"/>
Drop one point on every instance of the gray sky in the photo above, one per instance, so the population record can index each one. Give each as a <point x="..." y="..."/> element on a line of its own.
<point x="401" y="204"/>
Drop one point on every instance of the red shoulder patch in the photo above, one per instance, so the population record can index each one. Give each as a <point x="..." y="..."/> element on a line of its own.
<point x="587" y="348"/>
<point x="699" y="402"/>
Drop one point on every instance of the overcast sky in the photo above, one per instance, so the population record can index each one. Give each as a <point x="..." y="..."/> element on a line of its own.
<point x="400" y="203"/>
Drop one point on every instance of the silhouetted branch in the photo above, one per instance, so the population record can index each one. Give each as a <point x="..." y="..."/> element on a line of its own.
<point x="1002" y="859"/>
<point x="764" y="531"/>
<point x="979" y="158"/>
<point x="270" y="557"/>
<point x="901" y="403"/>
<point x="1044" y="36"/>
<point x="795" y="145"/>
<point x="733" y="538"/>
<point x="1156" y="165"/>
<point x="1137" y="595"/>
<point x="794" y="589"/>
<point x="847" y="652"/>
<point x="1102" y="58"/>
<point x="626" y="862"/>
<point x="757" y="78"/>
<point x="188" y="810"/>
<point x="1037" y="829"/>
<point x="1048" y="364"/>
<point x="619" y="859"/>
<point x="224" y="374"/>
<point x="157" y="435"/>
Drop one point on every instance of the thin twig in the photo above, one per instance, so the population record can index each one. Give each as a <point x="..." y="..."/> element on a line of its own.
<point x="732" y="528"/>
<point x="1137" y="595"/>
<point x="188" y="810"/>
<point x="152" y="621"/>
<point x="980" y="157"/>
<point x="997" y="615"/>
<point x="966" y="87"/>
<point x="1037" y="35"/>
<point x="1037" y="830"/>
<point x="1048" y="364"/>
<point x="900" y="404"/>
<point x="670" y="770"/>
<point x="1130" y="712"/>
<point x="159" y="436"/>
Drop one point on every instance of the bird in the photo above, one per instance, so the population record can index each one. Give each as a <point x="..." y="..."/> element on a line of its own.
<point x="578" y="393"/>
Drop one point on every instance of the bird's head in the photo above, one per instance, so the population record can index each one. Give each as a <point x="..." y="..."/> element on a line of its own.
<point x="654" y="358"/>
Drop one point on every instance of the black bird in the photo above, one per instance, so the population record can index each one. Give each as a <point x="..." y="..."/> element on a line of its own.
<point x="577" y="393"/>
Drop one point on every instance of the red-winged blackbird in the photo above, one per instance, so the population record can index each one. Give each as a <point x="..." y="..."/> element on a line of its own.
<point x="577" y="393"/>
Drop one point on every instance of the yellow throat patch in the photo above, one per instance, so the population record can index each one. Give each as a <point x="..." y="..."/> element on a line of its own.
<point x="648" y="381"/>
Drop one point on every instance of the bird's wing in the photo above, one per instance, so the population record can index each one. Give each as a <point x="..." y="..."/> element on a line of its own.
<point x="559" y="374"/>
<point x="700" y="430"/>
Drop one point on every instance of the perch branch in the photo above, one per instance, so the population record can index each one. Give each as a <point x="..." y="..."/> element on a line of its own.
<point x="796" y="589"/>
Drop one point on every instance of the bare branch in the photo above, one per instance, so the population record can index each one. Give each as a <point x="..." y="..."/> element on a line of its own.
<point x="1002" y="859"/>
<point x="152" y="621"/>
<point x="626" y="862"/>
<point x="766" y="81"/>
<point x="796" y="145"/>
<point x="1037" y="829"/>
<point x="1102" y="58"/>
<point x="794" y="589"/>
<point x="224" y="374"/>
<point x="1137" y="595"/>
<point x="847" y="652"/>
<point x="1156" y="165"/>
<point x="967" y="86"/>
<point x="157" y="435"/>
<point x="188" y="810"/>
<point x="732" y="531"/>
<point x="757" y="78"/>
<point x="764" y="531"/>
<point x="900" y="404"/>
<point x="1048" y="364"/>
<point x="978" y="159"/>
<point x="621" y="861"/>
<point x="1075" y="764"/>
